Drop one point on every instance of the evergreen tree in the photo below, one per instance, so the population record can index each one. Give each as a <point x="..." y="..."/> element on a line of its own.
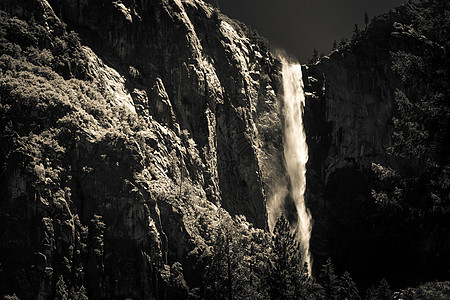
<point x="288" y="276"/>
<point x="343" y="42"/>
<point x="178" y="287"/>
<point x="329" y="280"/>
<point x="220" y="271"/>
<point x="315" y="56"/>
<point x="335" y="46"/>
<point x="61" y="289"/>
<point x="237" y="269"/>
<point x="82" y="294"/>
<point x="356" y="33"/>
<point x="347" y="288"/>
<point x="366" y="19"/>
<point x="382" y="292"/>
<point x="335" y="287"/>
<point x="78" y="295"/>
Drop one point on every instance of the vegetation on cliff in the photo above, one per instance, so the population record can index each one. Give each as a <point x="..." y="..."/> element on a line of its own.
<point x="387" y="207"/>
<point x="69" y="151"/>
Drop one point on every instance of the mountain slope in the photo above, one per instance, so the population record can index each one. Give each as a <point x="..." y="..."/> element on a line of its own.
<point x="132" y="131"/>
<point x="118" y="152"/>
<point x="378" y="128"/>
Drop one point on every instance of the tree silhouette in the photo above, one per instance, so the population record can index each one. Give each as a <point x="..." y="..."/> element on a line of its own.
<point x="335" y="46"/>
<point x="329" y="280"/>
<point x="382" y="292"/>
<point x="61" y="289"/>
<point x="288" y="276"/>
<point x="237" y="269"/>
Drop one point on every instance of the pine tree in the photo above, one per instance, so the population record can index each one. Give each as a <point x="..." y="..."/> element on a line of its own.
<point x="356" y="33"/>
<point x="329" y="280"/>
<point x="61" y="289"/>
<point x="78" y="295"/>
<point x="288" y="275"/>
<point x="343" y="42"/>
<point x="219" y="274"/>
<point x="347" y="288"/>
<point x="82" y="294"/>
<point x="366" y="19"/>
<point x="177" y="284"/>
<point x="335" y="46"/>
<point x="236" y="270"/>
<point x="382" y="292"/>
<point x="315" y="56"/>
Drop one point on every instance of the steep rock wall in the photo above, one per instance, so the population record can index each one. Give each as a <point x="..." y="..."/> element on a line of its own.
<point x="350" y="105"/>
<point x="209" y="74"/>
<point x="188" y="121"/>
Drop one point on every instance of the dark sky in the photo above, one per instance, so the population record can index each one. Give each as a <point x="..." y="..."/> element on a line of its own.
<point x="299" y="26"/>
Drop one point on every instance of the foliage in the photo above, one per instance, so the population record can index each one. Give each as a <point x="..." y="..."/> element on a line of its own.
<point x="382" y="292"/>
<point x="178" y="284"/>
<point x="19" y="38"/>
<point x="398" y="207"/>
<point x="61" y="289"/>
<point x="335" y="287"/>
<point x="347" y="288"/>
<point x="329" y="280"/>
<point x="78" y="294"/>
<point x="248" y="264"/>
<point x="428" y="291"/>
<point x="237" y="267"/>
<point x="315" y="57"/>
<point x="48" y="104"/>
<point x="287" y="273"/>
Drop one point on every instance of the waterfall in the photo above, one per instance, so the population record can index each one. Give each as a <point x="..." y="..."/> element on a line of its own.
<point x="296" y="153"/>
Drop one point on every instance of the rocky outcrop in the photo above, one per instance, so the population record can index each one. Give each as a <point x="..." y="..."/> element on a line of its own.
<point x="134" y="140"/>
<point x="201" y="75"/>
<point x="350" y="105"/>
<point x="186" y="122"/>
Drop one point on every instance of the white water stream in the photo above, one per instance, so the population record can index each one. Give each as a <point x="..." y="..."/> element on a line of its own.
<point x="296" y="152"/>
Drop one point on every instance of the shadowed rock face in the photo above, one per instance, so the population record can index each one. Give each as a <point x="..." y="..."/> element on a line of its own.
<point x="348" y="116"/>
<point x="350" y="104"/>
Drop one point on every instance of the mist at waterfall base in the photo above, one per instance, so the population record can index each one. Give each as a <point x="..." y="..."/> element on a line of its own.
<point x="295" y="157"/>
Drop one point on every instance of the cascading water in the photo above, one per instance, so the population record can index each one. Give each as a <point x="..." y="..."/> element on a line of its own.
<point x="296" y="152"/>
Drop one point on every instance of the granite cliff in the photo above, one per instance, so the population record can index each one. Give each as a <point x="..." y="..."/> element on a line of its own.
<point x="117" y="168"/>
<point x="378" y="152"/>
<point x="132" y="131"/>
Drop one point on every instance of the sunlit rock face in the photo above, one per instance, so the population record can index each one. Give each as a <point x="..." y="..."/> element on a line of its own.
<point x="130" y="200"/>
<point x="202" y="75"/>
